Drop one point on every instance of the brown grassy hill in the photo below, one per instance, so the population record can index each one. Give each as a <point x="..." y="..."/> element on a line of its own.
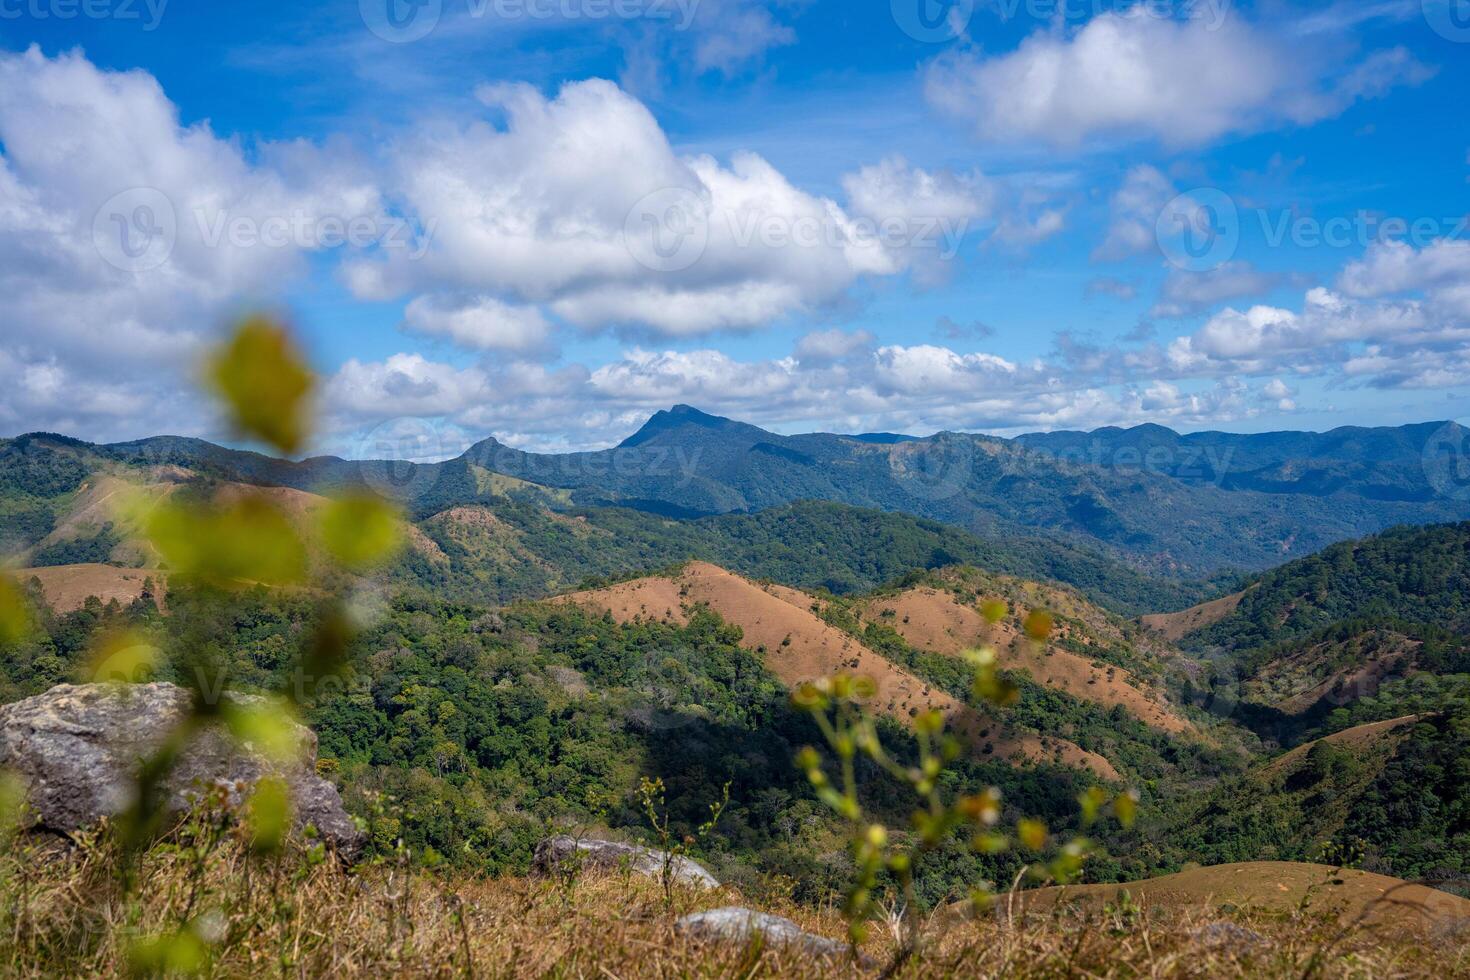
<point x="1279" y="886"/>
<point x="1373" y="736"/>
<point x="1177" y="625"/>
<point x="1342" y="670"/>
<point x="98" y="503"/>
<point x="798" y="646"/>
<point x="936" y="620"/>
<point x="66" y="587"/>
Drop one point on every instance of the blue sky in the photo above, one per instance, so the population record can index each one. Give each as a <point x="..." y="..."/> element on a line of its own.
<point x="909" y="215"/>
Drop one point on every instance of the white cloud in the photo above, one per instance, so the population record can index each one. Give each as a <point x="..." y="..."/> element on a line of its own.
<point x="826" y="346"/>
<point x="731" y="35"/>
<point x="1185" y="293"/>
<point x="1134" y="209"/>
<point x="74" y="137"/>
<point x="1396" y="267"/>
<point x="479" y="323"/>
<point x="1134" y="74"/>
<point x="578" y="201"/>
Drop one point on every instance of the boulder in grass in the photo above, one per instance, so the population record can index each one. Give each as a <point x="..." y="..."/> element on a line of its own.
<point x="562" y="849"/>
<point x="78" y="748"/>
<point x="745" y="927"/>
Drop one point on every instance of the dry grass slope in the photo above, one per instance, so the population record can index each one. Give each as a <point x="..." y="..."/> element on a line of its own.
<point x="935" y="620"/>
<point x="1278" y="887"/>
<point x="1359" y="738"/>
<point x="1176" y="626"/>
<point x="391" y="921"/>
<point x="66" y="587"/>
<point x="798" y="646"/>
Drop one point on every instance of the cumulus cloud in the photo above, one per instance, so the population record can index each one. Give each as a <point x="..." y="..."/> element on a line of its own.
<point x="1185" y="293"/>
<point x="1131" y="74"/>
<point x="1134" y="210"/>
<point x="125" y="233"/>
<point x="479" y="323"/>
<point x="920" y="388"/>
<point x="579" y="203"/>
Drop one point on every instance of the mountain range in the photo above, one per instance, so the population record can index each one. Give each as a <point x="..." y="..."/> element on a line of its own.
<point x="1186" y="506"/>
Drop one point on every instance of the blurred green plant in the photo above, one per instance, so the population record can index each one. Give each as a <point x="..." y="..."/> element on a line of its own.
<point x="216" y="545"/>
<point x="837" y="705"/>
<point x="655" y="808"/>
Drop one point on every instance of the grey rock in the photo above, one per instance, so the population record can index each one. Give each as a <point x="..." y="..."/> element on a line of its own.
<point x="1228" y="936"/>
<point x="79" y="747"/>
<point x="606" y="854"/>
<point x="734" y="924"/>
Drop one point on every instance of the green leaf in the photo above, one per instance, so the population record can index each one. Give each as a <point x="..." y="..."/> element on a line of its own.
<point x="240" y="542"/>
<point x="1032" y="834"/>
<point x="268" y="815"/>
<point x="361" y="531"/>
<point x="994" y="610"/>
<point x="177" y="952"/>
<point x="1125" y="808"/>
<point x="264" y="383"/>
<point x="126" y="658"/>
<point x="267" y="725"/>
<point x="15" y="612"/>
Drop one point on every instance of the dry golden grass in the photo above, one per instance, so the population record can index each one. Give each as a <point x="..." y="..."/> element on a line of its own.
<point x="64" y="916"/>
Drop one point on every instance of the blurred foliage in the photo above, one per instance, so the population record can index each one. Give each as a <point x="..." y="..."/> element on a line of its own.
<point x="264" y="384"/>
<point x="836" y="705"/>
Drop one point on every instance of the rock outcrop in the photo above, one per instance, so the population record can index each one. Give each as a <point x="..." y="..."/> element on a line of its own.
<point x="734" y="924"/>
<point x="79" y="746"/>
<point x="610" y="855"/>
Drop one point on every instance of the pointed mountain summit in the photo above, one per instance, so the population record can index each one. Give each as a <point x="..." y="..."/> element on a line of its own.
<point x="686" y="419"/>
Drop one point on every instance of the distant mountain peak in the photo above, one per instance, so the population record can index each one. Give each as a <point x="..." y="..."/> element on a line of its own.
<point x="678" y="417"/>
